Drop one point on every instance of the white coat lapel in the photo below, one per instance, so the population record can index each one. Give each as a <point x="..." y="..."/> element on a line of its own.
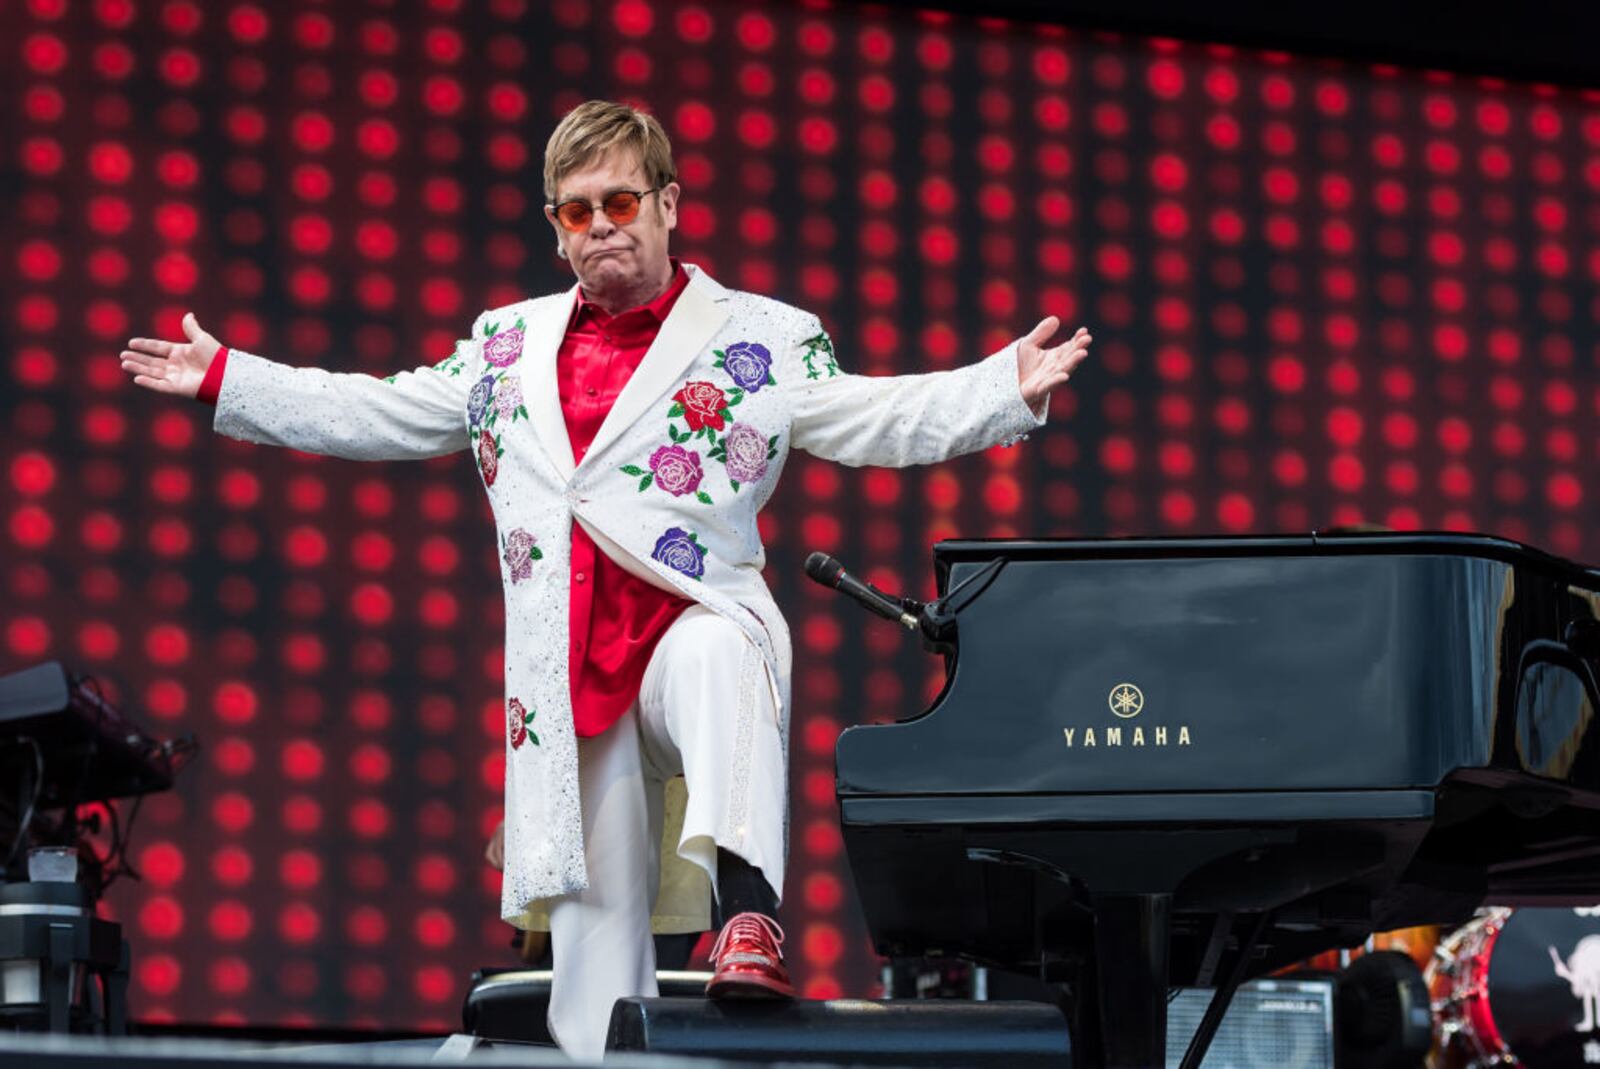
<point x="698" y="314"/>
<point x="547" y="325"/>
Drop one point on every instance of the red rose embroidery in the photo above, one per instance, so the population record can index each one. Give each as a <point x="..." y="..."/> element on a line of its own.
<point x="519" y="730"/>
<point x="518" y="721"/>
<point x="702" y="405"/>
<point x="488" y="457"/>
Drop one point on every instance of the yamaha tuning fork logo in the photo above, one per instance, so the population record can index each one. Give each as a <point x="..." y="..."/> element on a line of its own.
<point x="1126" y="702"/>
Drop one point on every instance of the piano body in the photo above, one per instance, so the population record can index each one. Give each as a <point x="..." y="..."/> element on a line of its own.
<point x="1160" y="761"/>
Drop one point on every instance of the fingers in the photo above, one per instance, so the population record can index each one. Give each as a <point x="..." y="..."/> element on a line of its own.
<point x="141" y="362"/>
<point x="158" y="385"/>
<point x="1042" y="333"/>
<point x="191" y="327"/>
<point x="1059" y="363"/>
<point x="152" y="346"/>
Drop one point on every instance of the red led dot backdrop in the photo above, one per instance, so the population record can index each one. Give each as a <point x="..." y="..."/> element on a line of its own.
<point x="1322" y="292"/>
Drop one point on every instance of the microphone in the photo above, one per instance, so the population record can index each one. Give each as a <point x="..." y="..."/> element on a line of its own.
<point x="830" y="573"/>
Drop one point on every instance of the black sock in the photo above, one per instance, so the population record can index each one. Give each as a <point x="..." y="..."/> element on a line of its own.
<point x="741" y="888"/>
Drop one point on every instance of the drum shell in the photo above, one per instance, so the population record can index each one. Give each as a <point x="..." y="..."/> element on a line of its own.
<point x="1518" y="987"/>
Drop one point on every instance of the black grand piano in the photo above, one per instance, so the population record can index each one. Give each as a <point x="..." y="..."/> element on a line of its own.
<point x="1186" y="762"/>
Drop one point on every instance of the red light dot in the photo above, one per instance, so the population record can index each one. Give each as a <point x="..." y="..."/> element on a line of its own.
<point x="302" y="759"/>
<point x="232" y="812"/>
<point x="435" y="983"/>
<point x="435" y="929"/>
<point x="369" y="818"/>
<point x="234" y="757"/>
<point x="822" y="944"/>
<point x="367" y="926"/>
<point x="372" y="604"/>
<point x="161" y="864"/>
<point x="435" y="874"/>
<point x="370" y="763"/>
<point x="161" y="917"/>
<point x="230" y="976"/>
<point x="158" y="974"/>
<point x="232" y="867"/>
<point x="633" y="18"/>
<point x="1235" y="512"/>
<point x="1346" y="473"/>
<point x="1344" y="427"/>
<point x="167" y="644"/>
<point x="301" y="814"/>
<point x="299" y="923"/>
<point x="1564" y="490"/>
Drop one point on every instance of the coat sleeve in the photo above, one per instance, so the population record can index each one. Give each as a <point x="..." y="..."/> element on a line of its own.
<point x="411" y="415"/>
<point x="897" y="420"/>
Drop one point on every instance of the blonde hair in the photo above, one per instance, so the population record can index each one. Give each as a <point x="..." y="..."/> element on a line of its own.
<point x="594" y="128"/>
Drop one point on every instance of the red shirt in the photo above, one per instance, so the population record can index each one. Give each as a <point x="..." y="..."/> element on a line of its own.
<point x="615" y="618"/>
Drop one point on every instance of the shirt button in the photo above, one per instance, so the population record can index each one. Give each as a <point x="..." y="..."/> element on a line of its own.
<point x="580" y="577"/>
<point x="578" y="645"/>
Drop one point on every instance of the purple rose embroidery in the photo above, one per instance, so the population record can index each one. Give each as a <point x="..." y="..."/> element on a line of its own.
<point x="520" y="553"/>
<point x="749" y="364"/>
<point x="746" y="453"/>
<point x="503" y="349"/>
<point x="478" y="400"/>
<point x="677" y="469"/>
<point x="679" y="550"/>
<point x="509" y="397"/>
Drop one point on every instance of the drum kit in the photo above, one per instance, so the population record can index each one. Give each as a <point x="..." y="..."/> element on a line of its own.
<point x="1518" y="987"/>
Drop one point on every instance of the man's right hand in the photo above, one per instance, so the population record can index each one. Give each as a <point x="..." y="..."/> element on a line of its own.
<point x="172" y="367"/>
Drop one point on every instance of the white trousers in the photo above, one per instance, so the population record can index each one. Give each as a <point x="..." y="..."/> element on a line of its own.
<point x="683" y="722"/>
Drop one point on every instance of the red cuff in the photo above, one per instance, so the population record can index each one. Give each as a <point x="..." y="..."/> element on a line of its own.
<point x="211" y="385"/>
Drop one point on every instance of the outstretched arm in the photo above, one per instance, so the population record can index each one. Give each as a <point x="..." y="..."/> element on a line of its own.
<point x="408" y="416"/>
<point x="896" y="420"/>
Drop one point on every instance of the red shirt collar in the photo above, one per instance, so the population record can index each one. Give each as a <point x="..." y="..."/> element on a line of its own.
<point x="656" y="309"/>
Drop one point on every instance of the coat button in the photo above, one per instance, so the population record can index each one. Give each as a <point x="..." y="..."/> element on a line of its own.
<point x="591" y="391"/>
<point x="580" y="577"/>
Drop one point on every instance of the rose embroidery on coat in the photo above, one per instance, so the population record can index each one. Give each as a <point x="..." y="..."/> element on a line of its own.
<point x="508" y="400"/>
<point x="520" y="551"/>
<point x="519" y="722"/>
<point x="478" y="399"/>
<point x="745" y="451"/>
<point x="677" y="470"/>
<point x="673" y="468"/>
<point x="489" y="454"/>
<point x="681" y="551"/>
<point x="503" y="346"/>
<point x="748" y="363"/>
<point x="704" y="407"/>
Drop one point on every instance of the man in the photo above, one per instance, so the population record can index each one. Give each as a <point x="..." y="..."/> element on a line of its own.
<point x="627" y="433"/>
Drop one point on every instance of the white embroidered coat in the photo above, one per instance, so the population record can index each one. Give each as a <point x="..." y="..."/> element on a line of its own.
<point x="669" y="489"/>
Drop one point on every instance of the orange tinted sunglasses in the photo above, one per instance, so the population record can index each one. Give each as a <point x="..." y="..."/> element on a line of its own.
<point x="621" y="207"/>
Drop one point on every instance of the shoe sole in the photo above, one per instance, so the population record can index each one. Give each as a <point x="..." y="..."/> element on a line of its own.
<point x="749" y="987"/>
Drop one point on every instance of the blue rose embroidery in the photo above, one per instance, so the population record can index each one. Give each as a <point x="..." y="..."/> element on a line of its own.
<point x="478" y="400"/>
<point x="748" y="363"/>
<point x="681" y="551"/>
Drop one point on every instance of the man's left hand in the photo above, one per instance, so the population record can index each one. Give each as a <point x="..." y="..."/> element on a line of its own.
<point x="1041" y="370"/>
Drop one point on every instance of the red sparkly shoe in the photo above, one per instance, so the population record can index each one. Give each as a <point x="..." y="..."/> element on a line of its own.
<point x="747" y="960"/>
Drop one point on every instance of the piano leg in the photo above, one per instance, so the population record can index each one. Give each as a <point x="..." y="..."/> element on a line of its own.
<point x="1131" y="937"/>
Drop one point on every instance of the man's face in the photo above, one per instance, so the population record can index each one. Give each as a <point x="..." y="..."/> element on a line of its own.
<point x="607" y="257"/>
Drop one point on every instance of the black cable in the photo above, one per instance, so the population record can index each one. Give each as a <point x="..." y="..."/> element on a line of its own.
<point x="27" y="814"/>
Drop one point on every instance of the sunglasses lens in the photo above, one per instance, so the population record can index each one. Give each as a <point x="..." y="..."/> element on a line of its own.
<point x="574" y="215"/>
<point x="622" y="207"/>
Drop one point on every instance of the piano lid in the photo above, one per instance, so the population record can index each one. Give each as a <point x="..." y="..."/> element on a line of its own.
<point x="1323" y="663"/>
